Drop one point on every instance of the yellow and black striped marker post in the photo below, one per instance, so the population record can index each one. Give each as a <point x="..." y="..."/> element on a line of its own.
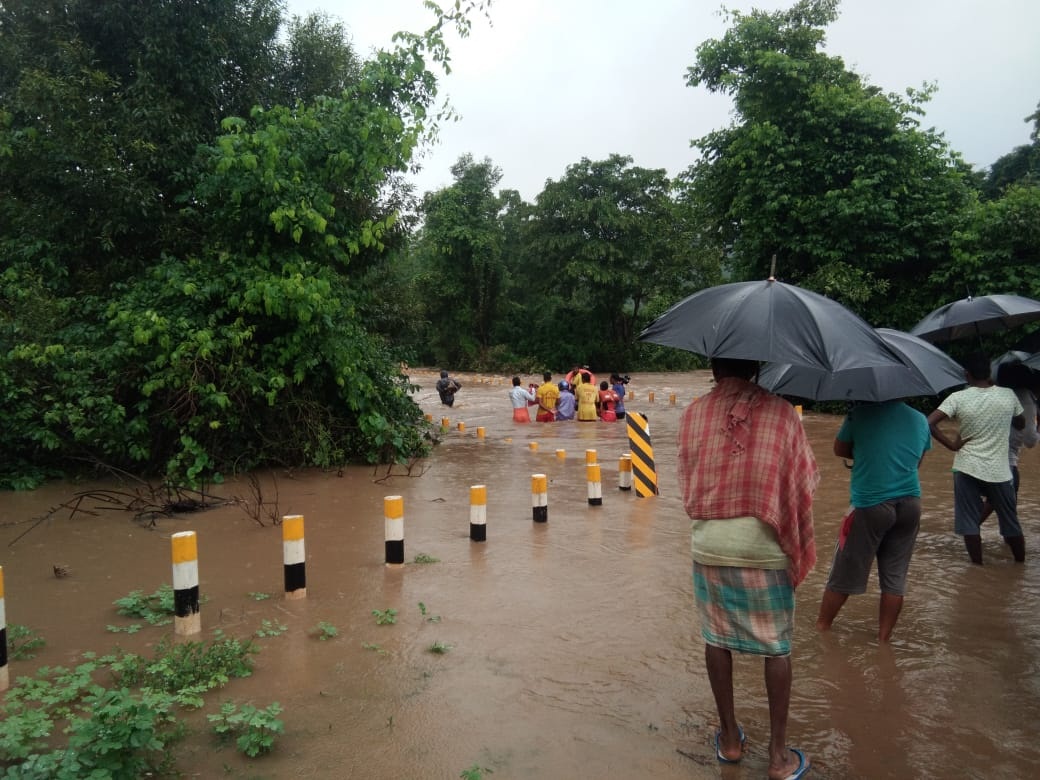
<point x="642" y="455"/>
<point x="539" y="498"/>
<point x="592" y="476"/>
<point x="294" y="557"/>
<point x="624" y="466"/>
<point x="478" y="513"/>
<point x="186" y="617"/>
<point x="5" y="675"/>
<point x="393" y="517"/>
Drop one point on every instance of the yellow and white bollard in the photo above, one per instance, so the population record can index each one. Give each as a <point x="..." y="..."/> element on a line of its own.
<point x="294" y="557"/>
<point x="187" y="619"/>
<point x="561" y="454"/>
<point x="624" y="472"/>
<point x="478" y="513"/>
<point x="540" y="498"/>
<point x="481" y="433"/>
<point x="533" y="446"/>
<point x="393" y="517"/>
<point x="798" y="408"/>
<point x="650" y="396"/>
<point x="591" y="457"/>
<point x="445" y="423"/>
<point x="592" y="476"/>
<point x="671" y="399"/>
<point x="462" y="427"/>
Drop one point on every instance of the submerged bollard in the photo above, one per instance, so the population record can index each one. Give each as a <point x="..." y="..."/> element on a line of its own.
<point x="533" y="446"/>
<point x="561" y="454"/>
<point x="445" y="423"/>
<point x="591" y="457"/>
<point x="5" y="676"/>
<point x="481" y="432"/>
<point x="650" y="396"/>
<point x="592" y="476"/>
<point x="428" y="417"/>
<point x="393" y="515"/>
<point x="671" y="399"/>
<point x="624" y="472"/>
<point x="294" y="558"/>
<point x="478" y="513"/>
<point x="186" y="617"/>
<point x="462" y="427"/>
<point x="798" y="408"/>
<point x="540" y="498"/>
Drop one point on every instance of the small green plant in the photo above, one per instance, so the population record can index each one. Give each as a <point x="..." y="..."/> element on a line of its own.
<point x="133" y="628"/>
<point x="439" y="648"/>
<point x="155" y="609"/>
<point x="22" y="641"/>
<point x="475" y="772"/>
<point x="424" y="558"/>
<point x="256" y="595"/>
<point x="254" y="730"/>
<point x="430" y="618"/>
<point x="325" y="631"/>
<point x="376" y="648"/>
<point x="271" y="628"/>
<point x="385" y="617"/>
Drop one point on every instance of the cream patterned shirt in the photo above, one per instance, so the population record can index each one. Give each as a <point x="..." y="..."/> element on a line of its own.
<point x="984" y="415"/>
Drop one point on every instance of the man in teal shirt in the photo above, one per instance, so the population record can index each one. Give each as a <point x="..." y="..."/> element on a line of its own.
<point x="886" y="442"/>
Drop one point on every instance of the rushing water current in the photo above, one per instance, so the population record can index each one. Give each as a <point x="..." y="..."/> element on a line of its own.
<point x="573" y="646"/>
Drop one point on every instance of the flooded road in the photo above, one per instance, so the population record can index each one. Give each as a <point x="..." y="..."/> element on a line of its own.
<point x="574" y="645"/>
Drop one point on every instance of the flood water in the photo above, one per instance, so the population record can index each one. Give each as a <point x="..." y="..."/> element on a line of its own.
<point x="575" y="649"/>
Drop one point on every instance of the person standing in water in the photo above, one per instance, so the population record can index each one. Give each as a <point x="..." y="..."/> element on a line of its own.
<point x="748" y="476"/>
<point x="520" y="397"/>
<point x="446" y="389"/>
<point x="587" y="395"/>
<point x="548" y="394"/>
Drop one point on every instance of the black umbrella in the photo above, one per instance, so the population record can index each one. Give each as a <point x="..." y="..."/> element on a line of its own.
<point x="976" y="316"/>
<point x="770" y="321"/>
<point x="1033" y="361"/>
<point x="925" y="370"/>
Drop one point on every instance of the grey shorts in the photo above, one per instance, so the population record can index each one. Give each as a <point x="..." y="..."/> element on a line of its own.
<point x="968" y="493"/>
<point x="885" y="531"/>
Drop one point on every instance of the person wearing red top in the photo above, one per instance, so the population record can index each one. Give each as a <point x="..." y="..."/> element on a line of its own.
<point x="748" y="476"/>
<point x="607" y="401"/>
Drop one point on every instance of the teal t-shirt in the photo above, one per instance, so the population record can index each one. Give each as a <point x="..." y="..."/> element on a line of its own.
<point x="888" y="440"/>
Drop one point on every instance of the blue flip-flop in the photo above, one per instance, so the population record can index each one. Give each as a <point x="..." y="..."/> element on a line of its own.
<point x="718" y="748"/>
<point x="803" y="765"/>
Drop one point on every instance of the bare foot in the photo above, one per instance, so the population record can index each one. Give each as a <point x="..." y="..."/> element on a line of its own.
<point x="792" y="766"/>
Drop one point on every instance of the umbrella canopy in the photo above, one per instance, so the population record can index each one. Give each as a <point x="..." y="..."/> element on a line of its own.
<point x="1011" y="356"/>
<point x="925" y="370"/>
<point x="770" y="321"/>
<point x="1033" y="361"/>
<point x="976" y="316"/>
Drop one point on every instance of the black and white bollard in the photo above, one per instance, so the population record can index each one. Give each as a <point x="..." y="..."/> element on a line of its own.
<point x="478" y="513"/>
<point x="540" y="498"/>
<point x="294" y="557"/>
<point x="393" y="515"/>
<point x="624" y="467"/>
<point x="5" y="676"/>
<point x="186" y="617"/>
<point x="592" y="476"/>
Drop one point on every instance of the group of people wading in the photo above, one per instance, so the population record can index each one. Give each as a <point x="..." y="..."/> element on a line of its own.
<point x="582" y="400"/>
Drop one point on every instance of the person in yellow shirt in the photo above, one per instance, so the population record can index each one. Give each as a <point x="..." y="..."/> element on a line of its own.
<point x="587" y="395"/>
<point x="548" y="394"/>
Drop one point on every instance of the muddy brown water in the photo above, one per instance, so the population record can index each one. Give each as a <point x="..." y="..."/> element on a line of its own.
<point x="574" y="645"/>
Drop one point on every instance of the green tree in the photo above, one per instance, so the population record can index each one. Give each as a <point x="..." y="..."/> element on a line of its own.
<point x="1019" y="166"/>
<point x="833" y="177"/>
<point x="461" y="242"/>
<point x="183" y="261"/>
<point x="602" y="244"/>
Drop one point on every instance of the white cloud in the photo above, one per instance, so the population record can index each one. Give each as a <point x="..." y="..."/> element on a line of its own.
<point x="550" y="82"/>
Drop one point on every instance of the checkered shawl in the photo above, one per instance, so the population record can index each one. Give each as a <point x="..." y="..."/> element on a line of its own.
<point x="743" y="453"/>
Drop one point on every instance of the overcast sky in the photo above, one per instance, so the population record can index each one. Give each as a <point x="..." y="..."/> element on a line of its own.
<point x="548" y="82"/>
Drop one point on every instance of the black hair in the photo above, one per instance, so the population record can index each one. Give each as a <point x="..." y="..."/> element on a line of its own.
<point x="1014" y="374"/>
<point x="744" y="369"/>
<point x="547" y="376"/>
<point x="977" y="366"/>
<point x="516" y="381"/>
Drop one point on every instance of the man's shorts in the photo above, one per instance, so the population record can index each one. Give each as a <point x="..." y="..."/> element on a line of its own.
<point x="885" y="531"/>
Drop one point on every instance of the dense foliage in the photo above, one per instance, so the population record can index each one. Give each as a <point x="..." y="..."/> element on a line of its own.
<point x="189" y="209"/>
<point x="210" y="260"/>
